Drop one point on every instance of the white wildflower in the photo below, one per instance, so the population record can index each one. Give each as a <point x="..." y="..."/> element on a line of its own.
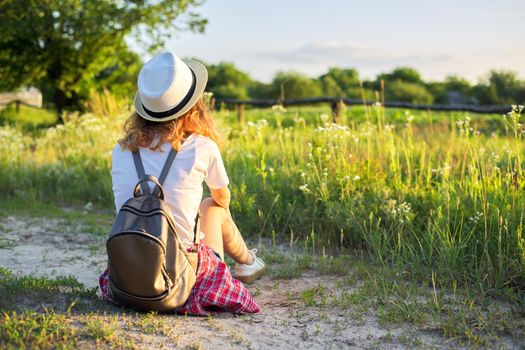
<point x="476" y="218"/>
<point x="262" y="122"/>
<point x="304" y="188"/>
<point x="278" y="108"/>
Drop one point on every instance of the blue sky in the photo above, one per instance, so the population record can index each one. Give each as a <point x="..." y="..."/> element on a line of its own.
<point x="438" y="38"/>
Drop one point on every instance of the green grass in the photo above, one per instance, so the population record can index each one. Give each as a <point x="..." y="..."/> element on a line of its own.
<point x="29" y="291"/>
<point x="153" y="323"/>
<point x="313" y="116"/>
<point x="461" y="316"/>
<point x="90" y="219"/>
<point x="38" y="312"/>
<point x="455" y="314"/>
<point x="74" y="316"/>
<point x="29" y="118"/>
<point x="35" y="311"/>
<point x="99" y="329"/>
<point x="31" y="330"/>
<point x="422" y="192"/>
<point x="5" y="243"/>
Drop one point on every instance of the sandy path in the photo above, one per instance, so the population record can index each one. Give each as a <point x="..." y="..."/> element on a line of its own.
<point x="54" y="247"/>
<point x="51" y="247"/>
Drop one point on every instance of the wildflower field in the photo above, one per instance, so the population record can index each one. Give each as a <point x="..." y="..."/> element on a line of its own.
<point x="389" y="229"/>
<point x="437" y="196"/>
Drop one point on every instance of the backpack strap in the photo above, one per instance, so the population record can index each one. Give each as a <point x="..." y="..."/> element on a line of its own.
<point x="142" y="174"/>
<point x="166" y="169"/>
<point x="140" y="171"/>
<point x="167" y="166"/>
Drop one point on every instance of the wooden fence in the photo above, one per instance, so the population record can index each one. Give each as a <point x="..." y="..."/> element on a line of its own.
<point x="29" y="97"/>
<point x="337" y="105"/>
<point x="19" y="103"/>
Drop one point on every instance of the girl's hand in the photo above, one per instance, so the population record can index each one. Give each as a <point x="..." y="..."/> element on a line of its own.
<point x="221" y="196"/>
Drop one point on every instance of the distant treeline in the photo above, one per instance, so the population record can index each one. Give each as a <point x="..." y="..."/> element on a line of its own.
<point x="401" y="84"/>
<point x="69" y="49"/>
<point x="404" y="84"/>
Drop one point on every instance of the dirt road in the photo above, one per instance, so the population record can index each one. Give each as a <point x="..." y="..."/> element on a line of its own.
<point x="56" y="247"/>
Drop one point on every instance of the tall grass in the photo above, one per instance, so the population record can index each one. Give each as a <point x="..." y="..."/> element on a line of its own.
<point x="27" y="117"/>
<point x="435" y="194"/>
<point x="106" y="104"/>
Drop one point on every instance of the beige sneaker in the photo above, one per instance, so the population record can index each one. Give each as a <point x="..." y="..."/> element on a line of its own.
<point x="248" y="274"/>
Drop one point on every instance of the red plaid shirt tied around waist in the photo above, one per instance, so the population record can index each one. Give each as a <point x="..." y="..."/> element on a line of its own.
<point x="215" y="289"/>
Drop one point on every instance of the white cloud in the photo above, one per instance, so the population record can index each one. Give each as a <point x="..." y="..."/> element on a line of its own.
<point x="314" y="58"/>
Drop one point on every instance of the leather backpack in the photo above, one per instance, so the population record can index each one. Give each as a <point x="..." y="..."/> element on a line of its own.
<point x="149" y="267"/>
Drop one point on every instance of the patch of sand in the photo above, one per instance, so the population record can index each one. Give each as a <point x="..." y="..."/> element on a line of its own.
<point x="53" y="247"/>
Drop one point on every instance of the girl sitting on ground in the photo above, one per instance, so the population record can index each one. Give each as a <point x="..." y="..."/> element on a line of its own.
<point x="170" y="112"/>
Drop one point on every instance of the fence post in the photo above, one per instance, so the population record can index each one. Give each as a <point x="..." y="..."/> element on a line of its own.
<point x="240" y="113"/>
<point x="337" y="108"/>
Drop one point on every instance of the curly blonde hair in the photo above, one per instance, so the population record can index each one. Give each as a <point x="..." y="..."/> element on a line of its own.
<point x="140" y="132"/>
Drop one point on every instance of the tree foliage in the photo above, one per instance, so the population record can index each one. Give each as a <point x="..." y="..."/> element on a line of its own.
<point x="501" y="87"/>
<point x="69" y="47"/>
<point x="226" y="81"/>
<point x="401" y="84"/>
<point x="406" y="74"/>
<point x="340" y="82"/>
<point x="293" y="85"/>
<point x="64" y="46"/>
<point x="399" y="90"/>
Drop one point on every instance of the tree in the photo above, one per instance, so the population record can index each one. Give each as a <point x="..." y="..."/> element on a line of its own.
<point x="404" y="84"/>
<point x="455" y="83"/>
<point x="340" y="82"/>
<point x="226" y="81"/>
<point x="260" y="90"/>
<point x="501" y="88"/>
<point x="408" y="92"/>
<point x="458" y="91"/>
<point x="294" y="85"/>
<point x="438" y="90"/>
<point x="406" y="74"/>
<point x="120" y="77"/>
<point x="330" y="87"/>
<point x="63" y="45"/>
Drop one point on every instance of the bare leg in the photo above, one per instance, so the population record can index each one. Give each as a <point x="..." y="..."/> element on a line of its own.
<point x="221" y="233"/>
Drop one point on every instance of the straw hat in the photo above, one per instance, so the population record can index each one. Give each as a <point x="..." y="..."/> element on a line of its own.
<point x="168" y="87"/>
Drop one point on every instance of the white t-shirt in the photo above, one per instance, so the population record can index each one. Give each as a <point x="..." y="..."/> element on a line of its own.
<point x="198" y="160"/>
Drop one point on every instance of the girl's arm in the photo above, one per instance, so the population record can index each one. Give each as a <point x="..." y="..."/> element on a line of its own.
<point x="221" y="196"/>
